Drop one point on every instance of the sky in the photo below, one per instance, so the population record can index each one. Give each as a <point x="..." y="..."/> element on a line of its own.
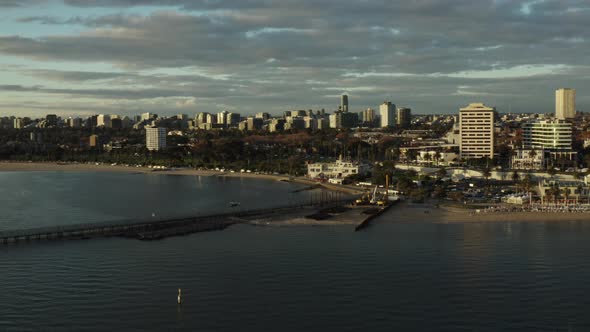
<point x="83" y="57"/>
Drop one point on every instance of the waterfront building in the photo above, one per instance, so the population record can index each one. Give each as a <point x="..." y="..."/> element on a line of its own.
<point x="336" y="170"/>
<point x="476" y="125"/>
<point x="563" y="191"/>
<point x="532" y="159"/>
<point x="387" y="114"/>
<point x="404" y="117"/>
<point x="554" y="137"/>
<point x="565" y="103"/>
<point x="344" y="103"/>
<point x="155" y="138"/>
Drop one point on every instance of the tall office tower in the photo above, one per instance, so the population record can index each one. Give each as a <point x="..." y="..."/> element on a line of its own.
<point x="202" y="118"/>
<point x="147" y="116"/>
<point x="103" y="120"/>
<point x="387" y="114"/>
<point x="254" y="123"/>
<point x="262" y="115"/>
<point x="369" y="116"/>
<point x="222" y="118"/>
<point x="565" y="103"/>
<point x="344" y="103"/>
<point x="155" y="138"/>
<point x="476" y="123"/>
<point x="233" y="119"/>
<point x="17" y="123"/>
<point x="404" y="117"/>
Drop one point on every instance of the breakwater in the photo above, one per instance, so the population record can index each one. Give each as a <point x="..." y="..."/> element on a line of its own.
<point x="148" y="229"/>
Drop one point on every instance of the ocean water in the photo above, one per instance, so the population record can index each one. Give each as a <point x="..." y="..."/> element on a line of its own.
<point x="412" y="276"/>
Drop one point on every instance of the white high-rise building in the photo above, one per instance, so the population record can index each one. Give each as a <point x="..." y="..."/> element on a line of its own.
<point x="565" y="103"/>
<point x="476" y="123"/>
<point x="387" y="114"/>
<point x="103" y="120"/>
<point x="17" y="123"/>
<point x="155" y="138"/>
<point x="222" y="118"/>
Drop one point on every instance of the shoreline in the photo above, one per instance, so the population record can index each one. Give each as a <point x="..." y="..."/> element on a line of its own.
<point x="444" y="214"/>
<point x="8" y="166"/>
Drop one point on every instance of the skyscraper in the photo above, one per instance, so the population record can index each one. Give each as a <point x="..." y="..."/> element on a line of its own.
<point x="476" y="123"/>
<point x="155" y="138"/>
<point x="404" y="117"/>
<point x="344" y="103"/>
<point x="387" y="114"/>
<point x="565" y="103"/>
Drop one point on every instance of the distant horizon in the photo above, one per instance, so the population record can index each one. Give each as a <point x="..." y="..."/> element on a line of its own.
<point x="78" y="58"/>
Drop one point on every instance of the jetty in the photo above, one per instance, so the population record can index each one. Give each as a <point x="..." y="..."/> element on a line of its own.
<point x="150" y="229"/>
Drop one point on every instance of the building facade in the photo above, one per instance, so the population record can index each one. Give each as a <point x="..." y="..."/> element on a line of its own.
<point x="387" y="114"/>
<point x="336" y="170"/>
<point x="565" y="103"/>
<point x="554" y="135"/>
<point x="344" y="103"/>
<point x="476" y="123"/>
<point x="404" y="117"/>
<point x="155" y="138"/>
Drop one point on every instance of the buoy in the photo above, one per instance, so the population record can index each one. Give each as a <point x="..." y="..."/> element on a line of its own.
<point x="179" y="297"/>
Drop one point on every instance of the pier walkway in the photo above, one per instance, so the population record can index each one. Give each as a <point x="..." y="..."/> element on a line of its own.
<point x="148" y="229"/>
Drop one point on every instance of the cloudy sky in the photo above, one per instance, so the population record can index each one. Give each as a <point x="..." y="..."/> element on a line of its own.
<point x="80" y="57"/>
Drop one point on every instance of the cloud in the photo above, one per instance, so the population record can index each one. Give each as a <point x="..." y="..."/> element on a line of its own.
<point x="275" y="55"/>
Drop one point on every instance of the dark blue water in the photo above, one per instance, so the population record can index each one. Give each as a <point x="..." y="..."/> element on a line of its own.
<point x="395" y="276"/>
<point x="37" y="199"/>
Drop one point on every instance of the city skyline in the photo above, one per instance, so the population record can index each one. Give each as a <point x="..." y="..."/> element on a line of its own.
<point x="116" y="57"/>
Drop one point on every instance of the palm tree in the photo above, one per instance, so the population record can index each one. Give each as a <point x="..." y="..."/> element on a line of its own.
<point x="532" y="155"/>
<point x="515" y="176"/>
<point x="437" y="157"/>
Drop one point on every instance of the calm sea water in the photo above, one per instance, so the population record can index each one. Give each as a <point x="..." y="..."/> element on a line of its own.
<point x="395" y="276"/>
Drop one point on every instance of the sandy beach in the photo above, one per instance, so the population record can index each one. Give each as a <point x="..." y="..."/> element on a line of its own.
<point x="93" y="167"/>
<point x="409" y="212"/>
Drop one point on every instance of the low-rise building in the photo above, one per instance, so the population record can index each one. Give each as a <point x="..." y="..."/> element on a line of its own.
<point x="336" y="170"/>
<point x="563" y="192"/>
<point x="533" y="159"/>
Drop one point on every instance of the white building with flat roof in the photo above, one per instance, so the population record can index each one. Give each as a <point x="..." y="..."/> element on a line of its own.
<point x="476" y="125"/>
<point x="387" y="114"/>
<point x="155" y="138"/>
<point x="565" y="103"/>
<point x="555" y="135"/>
<point x="336" y="170"/>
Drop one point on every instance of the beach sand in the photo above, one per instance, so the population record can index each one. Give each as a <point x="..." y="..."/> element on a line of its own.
<point x="410" y="212"/>
<point x="93" y="167"/>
